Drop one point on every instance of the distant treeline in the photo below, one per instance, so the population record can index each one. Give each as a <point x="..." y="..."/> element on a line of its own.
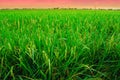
<point x="57" y="8"/>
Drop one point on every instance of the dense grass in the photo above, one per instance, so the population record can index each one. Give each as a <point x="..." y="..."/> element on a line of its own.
<point x="59" y="44"/>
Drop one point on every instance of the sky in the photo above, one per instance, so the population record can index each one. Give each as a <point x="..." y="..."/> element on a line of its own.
<point x="60" y="3"/>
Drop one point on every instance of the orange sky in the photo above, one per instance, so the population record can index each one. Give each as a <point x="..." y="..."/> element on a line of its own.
<point x="59" y="3"/>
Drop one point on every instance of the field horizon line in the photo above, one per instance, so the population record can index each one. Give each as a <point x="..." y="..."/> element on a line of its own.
<point x="57" y="8"/>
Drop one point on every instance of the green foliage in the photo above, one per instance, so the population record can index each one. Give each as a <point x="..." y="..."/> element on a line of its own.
<point x="59" y="45"/>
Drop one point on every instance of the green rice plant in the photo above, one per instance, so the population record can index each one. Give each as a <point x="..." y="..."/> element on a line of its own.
<point x="59" y="44"/>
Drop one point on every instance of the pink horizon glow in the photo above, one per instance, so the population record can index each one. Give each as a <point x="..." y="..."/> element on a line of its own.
<point x="59" y="3"/>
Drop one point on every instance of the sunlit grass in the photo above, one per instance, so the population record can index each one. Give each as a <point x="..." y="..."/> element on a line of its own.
<point x="59" y="44"/>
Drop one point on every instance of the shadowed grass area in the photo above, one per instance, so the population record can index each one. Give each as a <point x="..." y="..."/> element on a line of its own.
<point x="59" y="44"/>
